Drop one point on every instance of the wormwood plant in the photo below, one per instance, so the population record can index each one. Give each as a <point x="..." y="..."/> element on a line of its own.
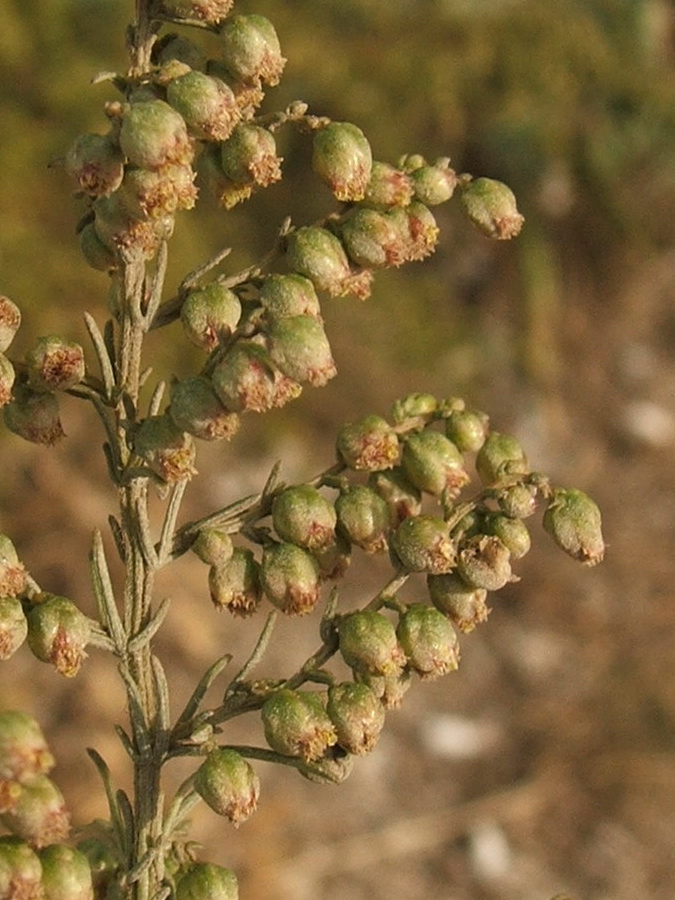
<point x="400" y="485"/>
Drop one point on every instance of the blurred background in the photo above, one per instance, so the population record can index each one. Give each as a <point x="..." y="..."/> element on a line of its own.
<point x="547" y="762"/>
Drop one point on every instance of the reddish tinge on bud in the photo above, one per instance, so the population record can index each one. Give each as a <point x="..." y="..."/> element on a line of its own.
<point x="228" y="784"/>
<point x="10" y="320"/>
<point x="249" y="156"/>
<point x="235" y="583"/>
<point x="157" y="192"/>
<point x="363" y="518"/>
<point x="39" y="815"/>
<point x="289" y="295"/>
<point x="196" y="408"/>
<point x="298" y="345"/>
<point x="369" y="645"/>
<point x="574" y="522"/>
<point x="7" y="378"/>
<point x="251" y="50"/>
<point x="453" y="597"/>
<point x="428" y="640"/>
<point x="370" y="444"/>
<point x="20" y="871"/>
<point x="167" y="450"/>
<point x="290" y="578"/>
<point x="491" y="206"/>
<point x="388" y="186"/>
<point x="373" y="239"/>
<point x="206" y="881"/>
<point x="303" y="516"/>
<point x="342" y="158"/>
<point x="210" y="314"/>
<point x="66" y="874"/>
<point x="55" y="364"/>
<point x="357" y="714"/>
<point x="12" y="570"/>
<point x="423" y="544"/>
<point x="207" y="104"/>
<point x="23" y="749"/>
<point x="153" y="134"/>
<point x="96" y="163"/>
<point x="208" y="11"/>
<point x="58" y="633"/>
<point x="434" y="464"/>
<point x="296" y="724"/>
<point x="13" y="626"/>
<point x="34" y="416"/>
<point x="247" y="379"/>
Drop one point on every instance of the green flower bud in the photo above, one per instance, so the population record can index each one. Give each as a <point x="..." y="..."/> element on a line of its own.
<point x="512" y="532"/>
<point x="422" y="544"/>
<point x="410" y="162"/>
<point x="157" y="193"/>
<point x="97" y="254"/>
<point x="131" y="236"/>
<point x="517" y="500"/>
<point x="298" y="345"/>
<point x="13" y="626"/>
<point x="369" y="645"/>
<point x="500" y="459"/>
<point x="65" y="874"/>
<point x="434" y="464"/>
<point x="210" y="169"/>
<point x="289" y="295"/>
<point x="210" y="314"/>
<point x="249" y="156"/>
<point x="251" y="51"/>
<point x="434" y="184"/>
<point x="12" y="571"/>
<point x="467" y="429"/>
<point x="334" y="560"/>
<point x="196" y="408"/>
<point x="491" y="206"/>
<point x="246" y="379"/>
<point x="303" y="516"/>
<point x="58" y="633"/>
<point x="23" y="749"/>
<point x="20" y="871"/>
<point x="207" y="881"/>
<point x="7" y="378"/>
<point x="177" y="47"/>
<point x="207" y="104"/>
<point x="368" y="445"/>
<point x="290" y="578"/>
<point x="372" y="239"/>
<point x="483" y="561"/>
<point x="422" y="231"/>
<point x="55" y="364"/>
<point x="103" y="864"/>
<point x="318" y="255"/>
<point x="34" y="416"/>
<point x="389" y="689"/>
<point x="39" y="815"/>
<point x="574" y="522"/>
<point x="453" y="597"/>
<point x="213" y="546"/>
<point x="357" y="714"/>
<point x="296" y="724"/>
<point x="228" y="784"/>
<point x="96" y="163"/>
<point x="402" y="498"/>
<point x="363" y="518"/>
<point x="10" y="320"/>
<point x="235" y="584"/>
<point x="342" y="158"/>
<point x="428" y="640"/>
<point x="388" y="186"/>
<point x="414" y="406"/>
<point x="153" y="134"/>
<point x="167" y="450"/>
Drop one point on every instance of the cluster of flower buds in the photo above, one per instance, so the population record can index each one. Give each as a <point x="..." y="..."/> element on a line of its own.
<point x="140" y="173"/>
<point x="35" y="864"/>
<point x="55" y="629"/>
